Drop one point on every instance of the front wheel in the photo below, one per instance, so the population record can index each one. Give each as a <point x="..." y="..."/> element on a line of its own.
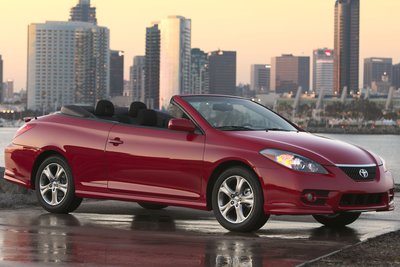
<point x="337" y="220"/>
<point x="237" y="200"/>
<point x="54" y="185"/>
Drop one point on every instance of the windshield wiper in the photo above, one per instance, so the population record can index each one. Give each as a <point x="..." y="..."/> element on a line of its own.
<point x="234" y="128"/>
<point x="279" y="129"/>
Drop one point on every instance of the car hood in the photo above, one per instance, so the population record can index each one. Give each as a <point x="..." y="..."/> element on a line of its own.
<point x="324" y="150"/>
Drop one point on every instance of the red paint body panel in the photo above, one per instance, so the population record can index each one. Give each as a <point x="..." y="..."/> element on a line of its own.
<point x="137" y="163"/>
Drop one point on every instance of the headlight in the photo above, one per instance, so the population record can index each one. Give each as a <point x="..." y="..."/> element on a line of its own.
<point x="383" y="164"/>
<point x="293" y="161"/>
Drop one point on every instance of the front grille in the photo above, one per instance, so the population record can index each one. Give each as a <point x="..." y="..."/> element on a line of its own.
<point x="360" y="173"/>
<point x="361" y="199"/>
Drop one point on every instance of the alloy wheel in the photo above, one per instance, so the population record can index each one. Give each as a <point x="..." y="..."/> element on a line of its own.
<point x="53" y="184"/>
<point x="235" y="199"/>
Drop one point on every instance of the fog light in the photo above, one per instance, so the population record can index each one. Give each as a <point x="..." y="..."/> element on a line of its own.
<point x="310" y="197"/>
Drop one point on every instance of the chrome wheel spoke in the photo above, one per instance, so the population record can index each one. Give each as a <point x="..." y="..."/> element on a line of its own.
<point x="249" y="200"/>
<point x="59" y="172"/>
<point x="54" y="200"/>
<point x="225" y="209"/>
<point x="47" y="173"/>
<point x="63" y="188"/>
<point x="239" y="214"/>
<point x="44" y="189"/>
<point x="240" y="181"/>
<point x="226" y="190"/>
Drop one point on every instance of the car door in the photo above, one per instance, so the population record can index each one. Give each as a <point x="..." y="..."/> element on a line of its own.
<point x="158" y="162"/>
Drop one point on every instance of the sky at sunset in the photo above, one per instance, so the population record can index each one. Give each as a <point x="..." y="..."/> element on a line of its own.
<point x="256" y="29"/>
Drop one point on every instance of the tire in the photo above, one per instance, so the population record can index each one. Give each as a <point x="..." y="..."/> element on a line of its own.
<point x="337" y="220"/>
<point x="55" y="187"/>
<point x="151" y="206"/>
<point x="238" y="202"/>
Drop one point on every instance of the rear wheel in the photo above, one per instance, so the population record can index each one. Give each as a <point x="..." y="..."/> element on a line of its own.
<point x="55" y="187"/>
<point x="151" y="206"/>
<point x="337" y="220"/>
<point x="237" y="200"/>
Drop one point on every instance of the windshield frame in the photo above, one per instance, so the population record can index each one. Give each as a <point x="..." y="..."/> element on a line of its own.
<point x="267" y="114"/>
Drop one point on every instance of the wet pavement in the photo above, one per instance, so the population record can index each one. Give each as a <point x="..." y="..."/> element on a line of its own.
<point x="112" y="233"/>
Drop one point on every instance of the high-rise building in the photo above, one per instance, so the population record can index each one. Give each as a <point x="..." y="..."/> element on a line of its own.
<point x="137" y="79"/>
<point x="83" y="12"/>
<point x="1" y="79"/>
<point x="68" y="62"/>
<point x="396" y="76"/>
<point x="152" y="67"/>
<point x="288" y="72"/>
<point x="260" y="75"/>
<point x="116" y="73"/>
<point x="175" y="46"/>
<point x="222" y="72"/>
<point x="323" y="71"/>
<point x="8" y="90"/>
<point x="199" y="83"/>
<point x="346" y="39"/>
<point x="376" y="69"/>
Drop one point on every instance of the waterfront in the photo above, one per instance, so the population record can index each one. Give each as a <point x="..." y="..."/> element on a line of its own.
<point x="387" y="146"/>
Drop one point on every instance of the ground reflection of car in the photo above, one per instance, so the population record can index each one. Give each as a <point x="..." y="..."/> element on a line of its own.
<point x="223" y="153"/>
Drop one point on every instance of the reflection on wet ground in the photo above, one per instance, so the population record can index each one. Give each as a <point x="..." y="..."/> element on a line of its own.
<point x="110" y="233"/>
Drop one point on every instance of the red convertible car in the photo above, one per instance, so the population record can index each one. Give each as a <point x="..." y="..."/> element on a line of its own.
<point x="221" y="153"/>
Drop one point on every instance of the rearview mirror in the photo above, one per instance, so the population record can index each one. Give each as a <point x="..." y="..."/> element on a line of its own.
<point x="183" y="125"/>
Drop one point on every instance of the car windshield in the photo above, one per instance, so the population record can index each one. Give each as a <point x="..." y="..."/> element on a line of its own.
<point x="237" y="114"/>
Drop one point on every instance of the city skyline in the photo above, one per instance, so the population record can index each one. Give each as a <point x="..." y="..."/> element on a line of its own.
<point x="245" y="28"/>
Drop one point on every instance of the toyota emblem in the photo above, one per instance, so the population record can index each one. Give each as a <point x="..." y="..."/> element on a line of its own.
<point x="363" y="173"/>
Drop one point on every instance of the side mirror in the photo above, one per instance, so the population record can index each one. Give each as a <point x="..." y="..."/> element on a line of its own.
<point x="183" y="125"/>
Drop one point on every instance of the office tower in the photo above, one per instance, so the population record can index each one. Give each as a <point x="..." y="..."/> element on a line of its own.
<point x="222" y="72"/>
<point x="376" y="69"/>
<point x="175" y="45"/>
<point x="68" y="62"/>
<point x="199" y="83"/>
<point x="152" y="67"/>
<point x="288" y="72"/>
<point x="323" y="71"/>
<point x="1" y="79"/>
<point x="83" y="12"/>
<point x="260" y="75"/>
<point x="396" y="76"/>
<point x="137" y="78"/>
<point x="8" y="90"/>
<point x="346" y="39"/>
<point x="116" y="73"/>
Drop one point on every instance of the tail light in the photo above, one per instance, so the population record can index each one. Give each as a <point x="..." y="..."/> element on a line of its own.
<point x="24" y="128"/>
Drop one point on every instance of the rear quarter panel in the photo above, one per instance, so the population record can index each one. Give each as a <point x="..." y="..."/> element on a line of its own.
<point x="80" y="141"/>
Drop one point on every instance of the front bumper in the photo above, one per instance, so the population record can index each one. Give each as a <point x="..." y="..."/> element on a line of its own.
<point x="295" y="193"/>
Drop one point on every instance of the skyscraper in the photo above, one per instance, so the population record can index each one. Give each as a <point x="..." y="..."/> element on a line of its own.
<point x="137" y="79"/>
<point x="175" y="46"/>
<point x="260" y="75"/>
<point x="116" y="73"/>
<point x="375" y="69"/>
<point x="68" y="62"/>
<point x="152" y="67"/>
<point x="347" y="38"/>
<point x="396" y="76"/>
<point x="222" y="72"/>
<point x="199" y="83"/>
<point x="8" y="92"/>
<point x="83" y="12"/>
<point x="288" y="72"/>
<point x="323" y="71"/>
<point x="1" y="79"/>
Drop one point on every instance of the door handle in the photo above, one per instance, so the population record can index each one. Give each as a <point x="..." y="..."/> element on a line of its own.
<point x="116" y="141"/>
